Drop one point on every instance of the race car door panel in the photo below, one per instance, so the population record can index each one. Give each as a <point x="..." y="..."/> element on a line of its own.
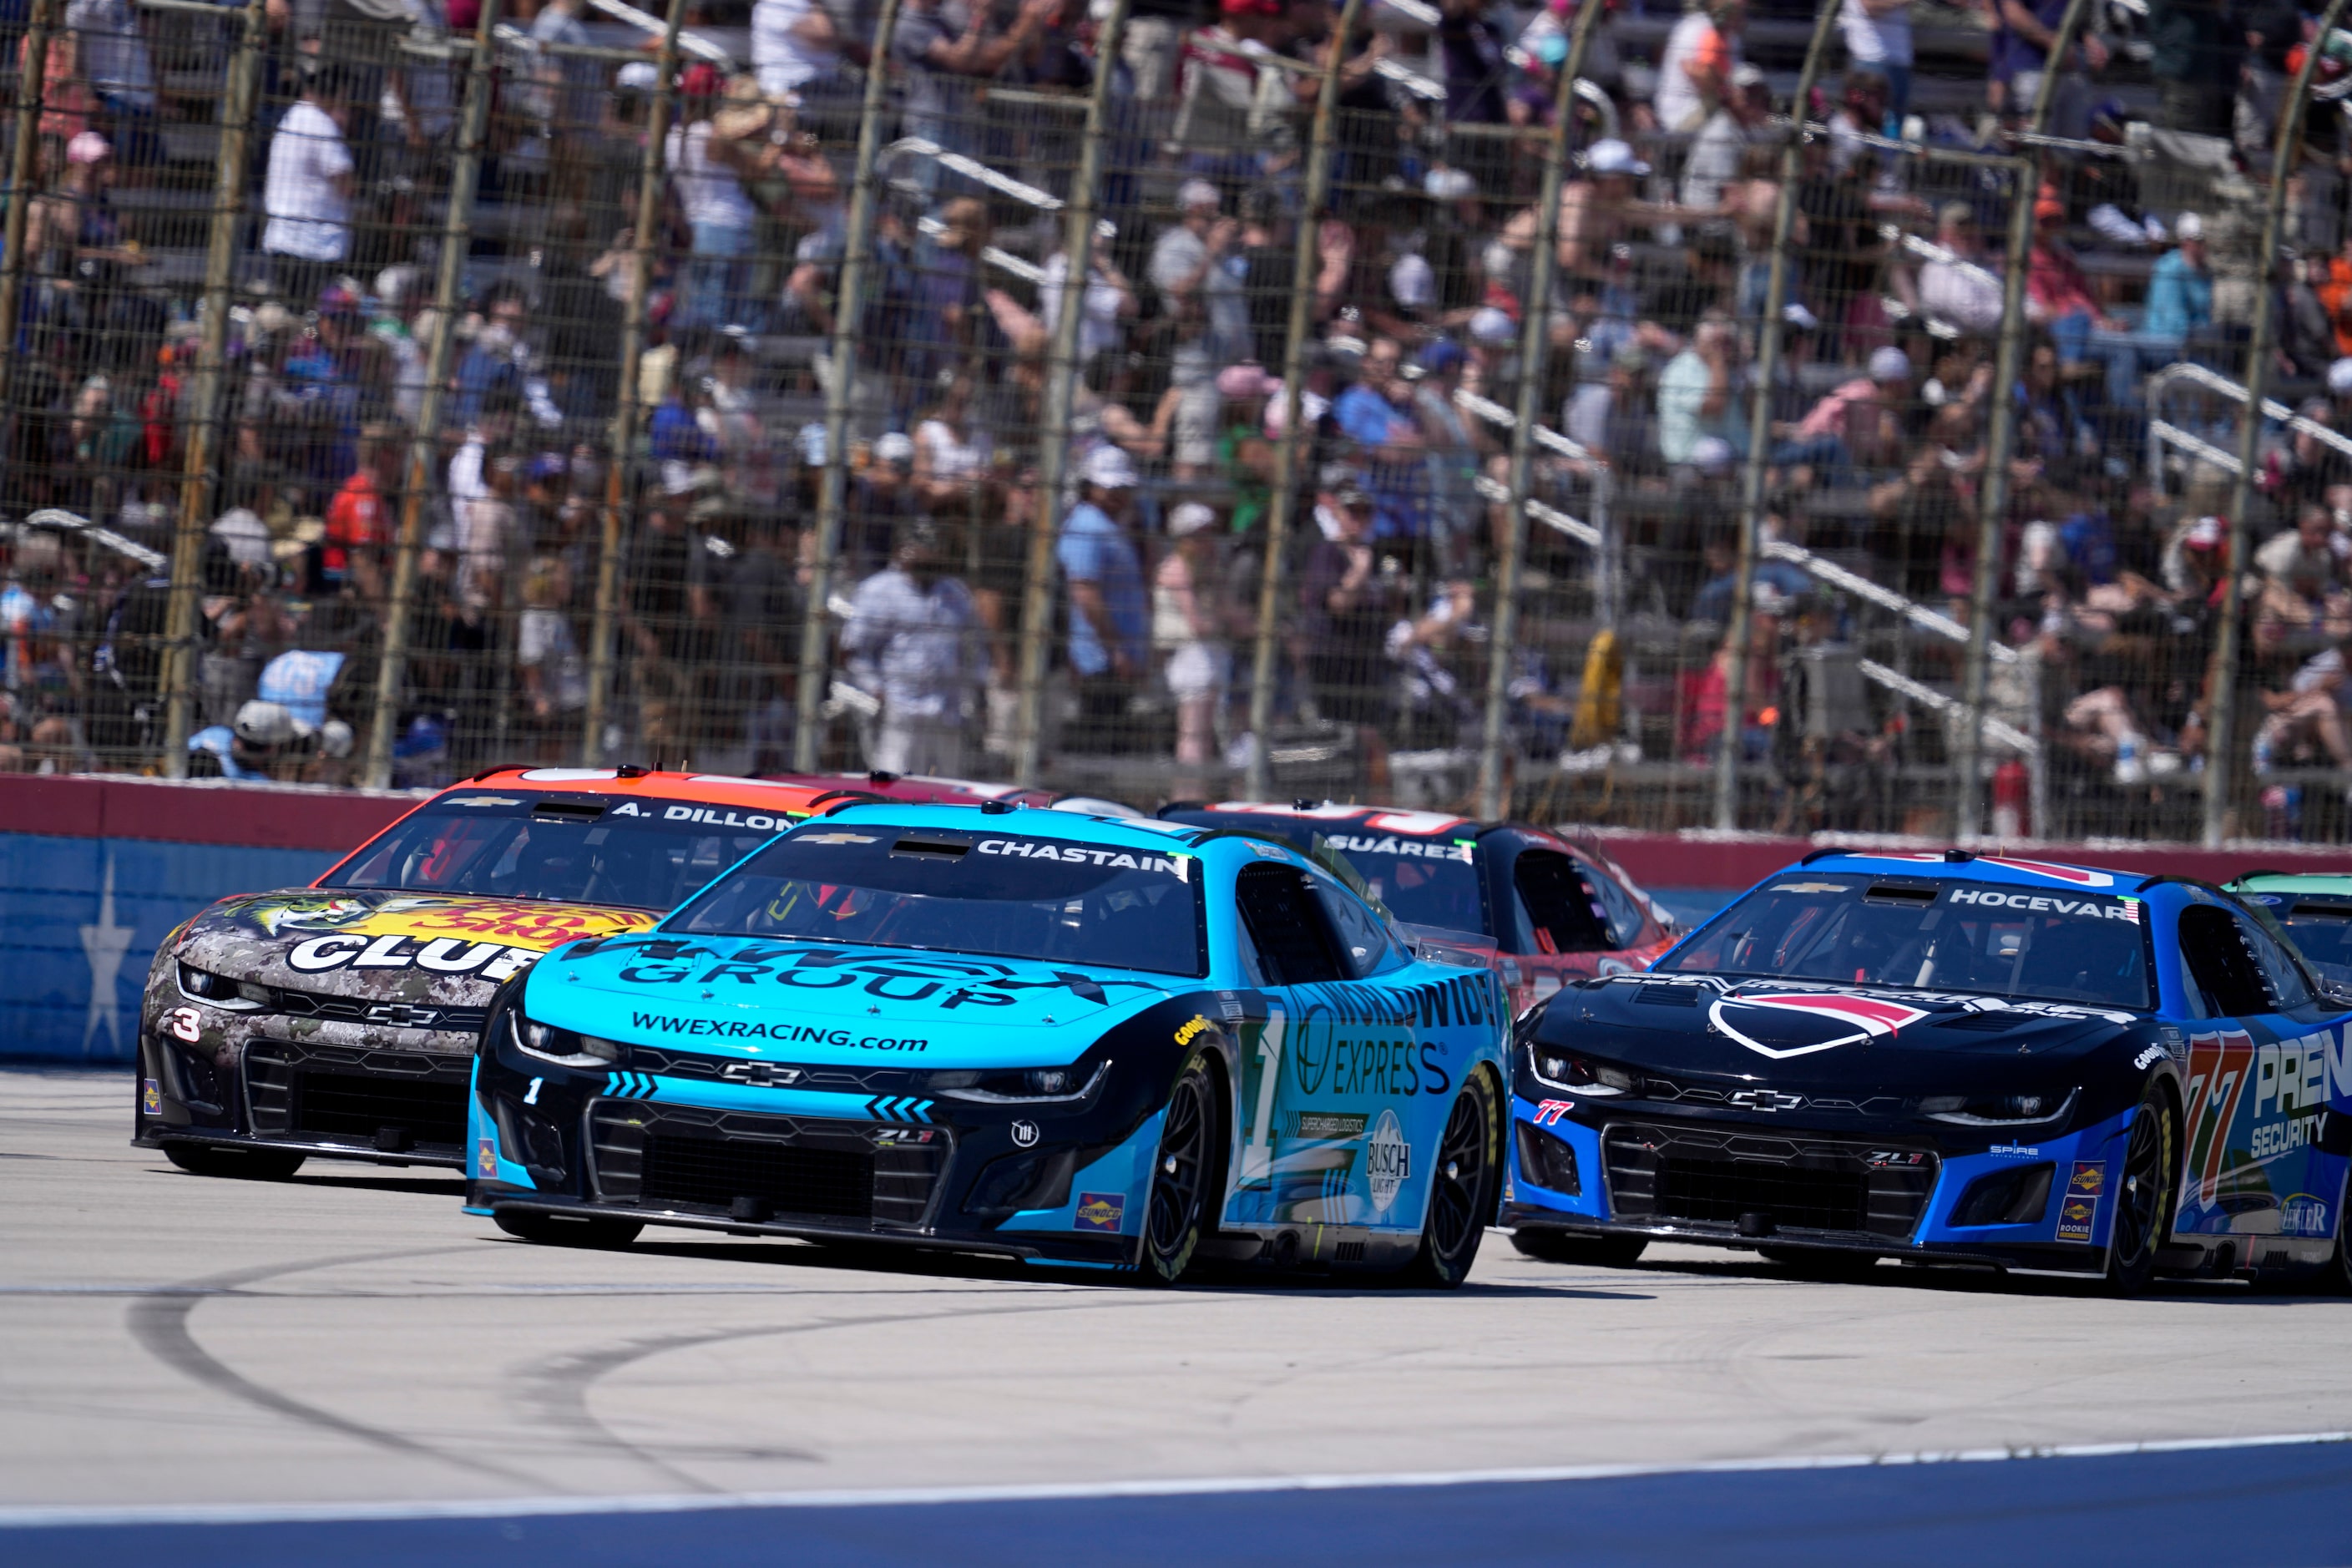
<point x="1329" y="1130"/>
<point x="2259" y="1062"/>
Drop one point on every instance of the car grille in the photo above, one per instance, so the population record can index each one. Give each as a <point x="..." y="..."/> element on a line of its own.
<point x="695" y="1157"/>
<point x="342" y="1094"/>
<point x="664" y="1062"/>
<point x="1711" y="1177"/>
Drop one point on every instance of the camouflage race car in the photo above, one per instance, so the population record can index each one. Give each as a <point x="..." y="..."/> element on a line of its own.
<point x="1538" y="910"/>
<point x="341" y="1018"/>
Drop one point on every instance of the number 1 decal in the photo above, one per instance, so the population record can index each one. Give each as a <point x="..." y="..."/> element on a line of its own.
<point x="1257" y="1150"/>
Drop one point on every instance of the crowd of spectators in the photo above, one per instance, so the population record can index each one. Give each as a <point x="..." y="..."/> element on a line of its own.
<point x="1415" y="292"/>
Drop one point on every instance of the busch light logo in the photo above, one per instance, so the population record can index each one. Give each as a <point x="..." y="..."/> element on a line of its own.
<point x="1388" y="1160"/>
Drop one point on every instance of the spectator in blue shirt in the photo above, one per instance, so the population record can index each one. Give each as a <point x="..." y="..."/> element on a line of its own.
<point x="2180" y="301"/>
<point x="1372" y="414"/>
<point x="1109" y="611"/>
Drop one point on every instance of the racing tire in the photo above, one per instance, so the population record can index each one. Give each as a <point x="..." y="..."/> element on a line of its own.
<point x="1820" y="1263"/>
<point x="243" y="1165"/>
<point x="2144" y="1197"/>
<point x="1461" y="1189"/>
<point x="563" y="1230"/>
<point x="1571" y="1246"/>
<point x="1183" y="1203"/>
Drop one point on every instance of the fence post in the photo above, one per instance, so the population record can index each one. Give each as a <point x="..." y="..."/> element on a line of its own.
<point x="1967" y="786"/>
<point x="626" y="413"/>
<point x="424" y="449"/>
<point x="2221" y="713"/>
<point x="1257" y="778"/>
<point x="1760" y="428"/>
<point x="24" y="173"/>
<point x="1534" y="338"/>
<point x="848" y="306"/>
<point x="1061" y="376"/>
<point x="201" y="469"/>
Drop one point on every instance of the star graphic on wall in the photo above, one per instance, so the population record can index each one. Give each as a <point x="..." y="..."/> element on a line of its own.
<point x="104" y="945"/>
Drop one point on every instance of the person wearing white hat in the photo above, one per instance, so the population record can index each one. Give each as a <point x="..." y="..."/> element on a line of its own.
<point x="2179" y="301"/>
<point x="1183" y="255"/>
<point x="1109" y="626"/>
<point x="1191" y="622"/>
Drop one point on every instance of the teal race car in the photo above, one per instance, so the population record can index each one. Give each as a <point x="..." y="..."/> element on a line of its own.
<point x="1067" y="1039"/>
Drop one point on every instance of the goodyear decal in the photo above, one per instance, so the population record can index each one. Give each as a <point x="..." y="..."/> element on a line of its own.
<point x="1187" y="1031"/>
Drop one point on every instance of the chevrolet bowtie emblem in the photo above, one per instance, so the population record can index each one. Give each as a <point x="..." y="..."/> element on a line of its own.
<point x="1766" y="1099"/>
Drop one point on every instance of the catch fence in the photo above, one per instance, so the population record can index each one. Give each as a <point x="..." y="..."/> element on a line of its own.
<point x="1367" y="401"/>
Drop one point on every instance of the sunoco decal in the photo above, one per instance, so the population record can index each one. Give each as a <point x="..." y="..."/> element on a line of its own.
<point x="2078" y="1214"/>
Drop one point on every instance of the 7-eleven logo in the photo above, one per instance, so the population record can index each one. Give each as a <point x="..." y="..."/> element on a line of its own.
<point x="2219" y="1067"/>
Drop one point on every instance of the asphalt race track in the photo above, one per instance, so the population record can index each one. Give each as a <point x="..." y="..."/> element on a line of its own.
<point x="344" y="1367"/>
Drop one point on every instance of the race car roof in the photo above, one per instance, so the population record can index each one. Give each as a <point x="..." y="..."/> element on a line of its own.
<point x="2044" y="874"/>
<point x="1372" y="819"/>
<point x="716" y="789"/>
<point x="2315" y="882"/>
<point x="930" y="788"/>
<point x="1129" y="833"/>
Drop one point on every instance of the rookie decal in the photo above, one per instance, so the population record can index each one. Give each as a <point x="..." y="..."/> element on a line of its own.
<point x="1804" y="1022"/>
<point x="1388" y="1161"/>
<point x="2044" y="904"/>
<point x="2080" y="1212"/>
<point x="1079" y="854"/>
<point x="1100" y="1210"/>
<point x="151" y="1098"/>
<point x="785" y="1034"/>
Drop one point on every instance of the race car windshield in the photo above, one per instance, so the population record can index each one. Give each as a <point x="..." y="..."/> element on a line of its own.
<point x="1048" y="899"/>
<point x="2322" y="931"/>
<point x="2002" y="940"/>
<point x="1421" y="880"/>
<point x="637" y="854"/>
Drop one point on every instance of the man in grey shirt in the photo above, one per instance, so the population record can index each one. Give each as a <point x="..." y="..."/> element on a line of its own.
<point x="913" y="638"/>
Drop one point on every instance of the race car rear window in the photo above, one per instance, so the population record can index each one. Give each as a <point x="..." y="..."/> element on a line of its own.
<point x="1000" y="896"/>
<point x="2000" y="939"/>
<point x="1420" y="878"/>
<point x="588" y="849"/>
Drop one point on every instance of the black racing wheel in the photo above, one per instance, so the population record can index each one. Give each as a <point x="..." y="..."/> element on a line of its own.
<point x="1183" y="1203"/>
<point x="2144" y="1197"/>
<point x="228" y="1159"/>
<point x="1577" y="1246"/>
<point x="1461" y="1191"/>
<point x="567" y="1230"/>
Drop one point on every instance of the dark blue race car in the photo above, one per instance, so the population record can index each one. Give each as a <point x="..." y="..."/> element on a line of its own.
<point x="1947" y="1058"/>
<point x="1043" y="1036"/>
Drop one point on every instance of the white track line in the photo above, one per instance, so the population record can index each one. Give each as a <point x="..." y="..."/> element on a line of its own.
<point x="51" y="1518"/>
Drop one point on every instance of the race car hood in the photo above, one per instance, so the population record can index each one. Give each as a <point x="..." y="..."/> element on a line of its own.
<point x="1826" y="1038"/>
<point x="401" y="946"/>
<point x="823" y="1002"/>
